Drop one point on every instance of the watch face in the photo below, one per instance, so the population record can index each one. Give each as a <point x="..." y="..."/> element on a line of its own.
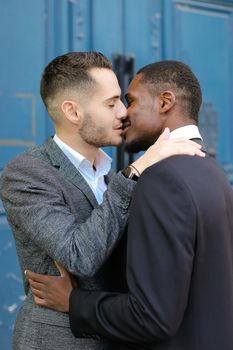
<point x="130" y="173"/>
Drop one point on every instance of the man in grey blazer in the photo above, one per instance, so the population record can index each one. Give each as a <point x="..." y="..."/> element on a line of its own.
<point x="53" y="194"/>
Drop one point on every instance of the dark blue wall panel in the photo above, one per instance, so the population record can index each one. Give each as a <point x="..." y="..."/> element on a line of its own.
<point x="200" y="34"/>
<point x="22" y="124"/>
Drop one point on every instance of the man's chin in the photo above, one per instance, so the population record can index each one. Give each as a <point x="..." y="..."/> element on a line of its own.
<point x="138" y="145"/>
<point x="135" y="147"/>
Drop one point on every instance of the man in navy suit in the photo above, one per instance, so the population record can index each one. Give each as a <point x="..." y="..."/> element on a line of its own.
<point x="179" y="264"/>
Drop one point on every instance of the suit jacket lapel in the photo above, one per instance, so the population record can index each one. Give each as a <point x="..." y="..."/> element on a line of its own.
<point x="200" y="142"/>
<point x="68" y="170"/>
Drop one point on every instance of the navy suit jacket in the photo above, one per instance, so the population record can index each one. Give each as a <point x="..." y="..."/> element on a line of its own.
<point x="179" y="265"/>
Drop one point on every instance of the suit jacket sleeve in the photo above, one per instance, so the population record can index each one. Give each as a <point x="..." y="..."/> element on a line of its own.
<point x="161" y="240"/>
<point x="36" y="207"/>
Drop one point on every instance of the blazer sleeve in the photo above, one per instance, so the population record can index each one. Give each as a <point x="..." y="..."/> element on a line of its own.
<point x="161" y="240"/>
<point x="37" y="210"/>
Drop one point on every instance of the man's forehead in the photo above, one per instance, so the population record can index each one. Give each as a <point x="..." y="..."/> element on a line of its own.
<point x="102" y="74"/>
<point x="107" y="82"/>
<point x="135" y="85"/>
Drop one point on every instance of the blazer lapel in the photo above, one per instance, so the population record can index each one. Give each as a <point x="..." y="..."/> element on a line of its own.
<point x="68" y="170"/>
<point x="108" y="177"/>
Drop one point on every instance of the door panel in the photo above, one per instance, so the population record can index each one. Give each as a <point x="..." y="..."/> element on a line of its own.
<point x="20" y="69"/>
<point x="143" y="30"/>
<point x="107" y="26"/>
<point x="201" y="35"/>
<point x="22" y="121"/>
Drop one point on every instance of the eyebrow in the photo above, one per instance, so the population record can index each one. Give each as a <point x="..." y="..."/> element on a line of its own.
<point x="113" y="98"/>
<point x="128" y="96"/>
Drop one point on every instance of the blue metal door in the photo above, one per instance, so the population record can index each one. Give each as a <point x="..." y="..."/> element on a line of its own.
<point x="33" y="32"/>
<point x="200" y="34"/>
<point x="22" y="124"/>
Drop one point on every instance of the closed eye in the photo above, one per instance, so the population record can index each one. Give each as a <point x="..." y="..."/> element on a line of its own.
<point x="129" y="102"/>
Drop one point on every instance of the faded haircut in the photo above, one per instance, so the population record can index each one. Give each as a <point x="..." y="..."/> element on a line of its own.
<point x="67" y="72"/>
<point x="177" y="77"/>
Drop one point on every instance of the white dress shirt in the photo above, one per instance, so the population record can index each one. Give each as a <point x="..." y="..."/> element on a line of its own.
<point x="95" y="179"/>
<point x="188" y="131"/>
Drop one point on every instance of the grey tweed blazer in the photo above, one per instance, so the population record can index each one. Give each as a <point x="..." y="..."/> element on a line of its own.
<point x="54" y="215"/>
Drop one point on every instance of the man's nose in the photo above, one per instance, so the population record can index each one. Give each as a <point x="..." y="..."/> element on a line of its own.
<point x="122" y="112"/>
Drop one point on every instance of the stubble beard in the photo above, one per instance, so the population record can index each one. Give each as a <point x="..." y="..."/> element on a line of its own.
<point x="95" y="135"/>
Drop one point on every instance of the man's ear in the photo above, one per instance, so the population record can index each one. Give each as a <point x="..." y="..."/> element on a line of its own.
<point x="71" y="111"/>
<point x="167" y="100"/>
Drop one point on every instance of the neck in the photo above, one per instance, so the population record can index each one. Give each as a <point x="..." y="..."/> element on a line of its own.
<point x="173" y="125"/>
<point x="78" y="145"/>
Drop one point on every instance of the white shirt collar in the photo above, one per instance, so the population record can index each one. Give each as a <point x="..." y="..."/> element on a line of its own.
<point x="102" y="162"/>
<point x="188" y="131"/>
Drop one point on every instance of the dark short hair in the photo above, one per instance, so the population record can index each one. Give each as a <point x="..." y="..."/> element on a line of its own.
<point x="179" y="78"/>
<point x="70" y="71"/>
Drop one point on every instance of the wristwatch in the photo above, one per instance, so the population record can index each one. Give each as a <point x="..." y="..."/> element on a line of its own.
<point x="130" y="173"/>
